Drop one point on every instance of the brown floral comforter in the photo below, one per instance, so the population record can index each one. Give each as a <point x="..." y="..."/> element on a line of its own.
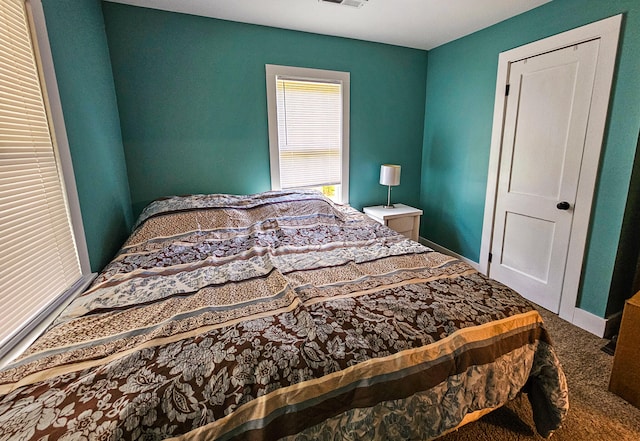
<point x="278" y="315"/>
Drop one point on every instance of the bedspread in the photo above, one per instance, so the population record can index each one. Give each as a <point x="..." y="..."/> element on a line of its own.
<point x="279" y="315"/>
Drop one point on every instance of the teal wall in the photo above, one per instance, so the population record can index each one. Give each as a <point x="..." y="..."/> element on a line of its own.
<point x="83" y="71"/>
<point x="192" y="100"/>
<point x="191" y="117"/>
<point x="461" y="79"/>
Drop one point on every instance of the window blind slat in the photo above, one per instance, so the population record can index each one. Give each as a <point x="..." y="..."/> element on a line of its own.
<point x="309" y="132"/>
<point x="38" y="257"/>
<point x="17" y="173"/>
<point x="16" y="170"/>
<point x="24" y="109"/>
<point x="33" y="217"/>
<point x="48" y="255"/>
<point x="6" y="88"/>
<point x="15" y="65"/>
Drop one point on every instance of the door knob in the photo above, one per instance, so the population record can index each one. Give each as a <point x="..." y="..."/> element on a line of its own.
<point x="564" y="205"/>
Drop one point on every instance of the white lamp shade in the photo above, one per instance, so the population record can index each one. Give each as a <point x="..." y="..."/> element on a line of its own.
<point x="390" y="174"/>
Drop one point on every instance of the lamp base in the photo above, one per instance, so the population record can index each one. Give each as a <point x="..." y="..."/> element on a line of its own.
<point x="389" y="204"/>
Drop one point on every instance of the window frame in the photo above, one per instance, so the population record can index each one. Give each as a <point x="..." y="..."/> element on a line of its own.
<point x="307" y="74"/>
<point x="29" y="331"/>
<point x="51" y="94"/>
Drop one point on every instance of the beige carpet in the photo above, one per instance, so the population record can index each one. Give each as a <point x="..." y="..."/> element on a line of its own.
<point x="595" y="413"/>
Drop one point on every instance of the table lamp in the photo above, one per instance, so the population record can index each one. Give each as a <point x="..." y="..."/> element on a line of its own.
<point x="389" y="176"/>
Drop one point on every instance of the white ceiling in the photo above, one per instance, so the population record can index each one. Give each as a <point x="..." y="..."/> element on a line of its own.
<point x="421" y="24"/>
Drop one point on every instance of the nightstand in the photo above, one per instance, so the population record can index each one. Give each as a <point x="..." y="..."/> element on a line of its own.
<point x="401" y="218"/>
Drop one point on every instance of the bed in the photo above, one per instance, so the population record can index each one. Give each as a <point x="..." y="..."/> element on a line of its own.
<point x="279" y="315"/>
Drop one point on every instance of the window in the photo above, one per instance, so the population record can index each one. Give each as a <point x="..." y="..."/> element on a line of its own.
<point x="39" y="259"/>
<point x="309" y="129"/>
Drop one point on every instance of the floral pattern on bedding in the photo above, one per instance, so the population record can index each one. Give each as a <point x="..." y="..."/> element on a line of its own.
<point x="295" y="319"/>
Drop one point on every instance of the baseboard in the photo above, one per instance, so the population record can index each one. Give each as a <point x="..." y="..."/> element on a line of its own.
<point x="434" y="246"/>
<point x="590" y="322"/>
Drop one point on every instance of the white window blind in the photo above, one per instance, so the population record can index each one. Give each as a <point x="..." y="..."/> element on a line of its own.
<point x="38" y="256"/>
<point x="308" y="112"/>
<point x="309" y="132"/>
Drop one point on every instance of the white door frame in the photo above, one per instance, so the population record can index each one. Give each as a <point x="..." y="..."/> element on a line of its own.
<point x="608" y="31"/>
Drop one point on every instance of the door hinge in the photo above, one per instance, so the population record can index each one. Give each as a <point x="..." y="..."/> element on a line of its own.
<point x="506" y="92"/>
<point x="490" y="257"/>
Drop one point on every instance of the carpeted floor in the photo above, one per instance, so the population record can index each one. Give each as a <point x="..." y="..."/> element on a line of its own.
<point x="595" y="414"/>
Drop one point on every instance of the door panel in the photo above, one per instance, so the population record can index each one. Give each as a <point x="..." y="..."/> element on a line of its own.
<point x="544" y="134"/>
<point x="528" y="245"/>
<point x="546" y="98"/>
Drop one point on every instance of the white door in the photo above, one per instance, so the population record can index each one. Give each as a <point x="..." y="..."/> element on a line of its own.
<point x="546" y="119"/>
